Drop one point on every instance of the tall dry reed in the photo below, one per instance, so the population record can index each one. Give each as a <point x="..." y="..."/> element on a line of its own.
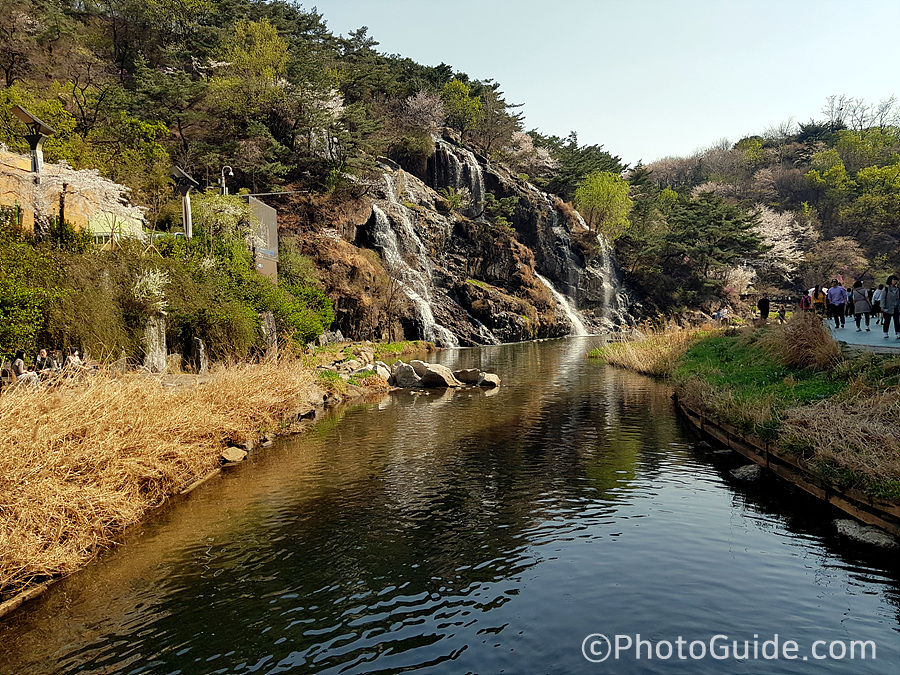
<point x="803" y="342"/>
<point x="654" y="353"/>
<point x="80" y="463"/>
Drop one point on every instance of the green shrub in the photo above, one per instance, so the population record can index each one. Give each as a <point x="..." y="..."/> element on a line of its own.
<point x="64" y="237"/>
<point x="500" y="211"/>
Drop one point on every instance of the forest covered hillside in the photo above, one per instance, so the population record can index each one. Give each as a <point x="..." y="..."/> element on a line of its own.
<point x="268" y="91"/>
<point x="825" y="195"/>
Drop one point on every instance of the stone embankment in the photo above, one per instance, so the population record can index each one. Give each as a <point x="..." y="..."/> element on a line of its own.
<point x="770" y="456"/>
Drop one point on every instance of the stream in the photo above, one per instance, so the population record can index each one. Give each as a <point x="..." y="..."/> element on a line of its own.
<point x="480" y="531"/>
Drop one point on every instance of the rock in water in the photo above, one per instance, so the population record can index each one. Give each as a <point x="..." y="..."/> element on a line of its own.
<point x="747" y="472"/>
<point x="489" y="380"/>
<point x="437" y="375"/>
<point x="419" y="366"/>
<point x="405" y="376"/>
<point x="382" y="370"/>
<point x="468" y="376"/>
<point x="232" y="455"/>
<point x="867" y="534"/>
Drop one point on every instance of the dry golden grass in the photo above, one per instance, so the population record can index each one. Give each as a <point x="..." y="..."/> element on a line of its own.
<point x="860" y="434"/>
<point x="81" y="463"/>
<point x="722" y="404"/>
<point x="656" y="353"/>
<point x="803" y="342"/>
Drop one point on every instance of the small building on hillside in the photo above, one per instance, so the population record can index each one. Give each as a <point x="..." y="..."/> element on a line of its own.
<point x="86" y="199"/>
<point x="265" y="248"/>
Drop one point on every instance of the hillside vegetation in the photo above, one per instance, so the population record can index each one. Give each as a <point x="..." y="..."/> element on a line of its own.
<point x="266" y="89"/>
<point x="824" y="197"/>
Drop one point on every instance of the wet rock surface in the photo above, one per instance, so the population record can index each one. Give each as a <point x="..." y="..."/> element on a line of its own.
<point x="747" y="472"/>
<point x="866" y="534"/>
<point x="418" y="374"/>
<point x="458" y="279"/>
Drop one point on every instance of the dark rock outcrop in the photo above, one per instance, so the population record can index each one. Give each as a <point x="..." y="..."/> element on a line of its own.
<point x="453" y="277"/>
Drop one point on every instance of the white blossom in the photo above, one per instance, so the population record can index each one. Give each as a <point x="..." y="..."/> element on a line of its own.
<point x="149" y="288"/>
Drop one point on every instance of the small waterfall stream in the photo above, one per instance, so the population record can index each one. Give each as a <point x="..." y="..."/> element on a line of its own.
<point x="465" y="174"/>
<point x="615" y="299"/>
<point x="586" y="278"/>
<point x="416" y="282"/>
<point x="578" y="327"/>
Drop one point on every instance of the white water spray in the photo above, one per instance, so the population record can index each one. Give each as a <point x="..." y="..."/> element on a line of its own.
<point x="578" y="327"/>
<point x="415" y="282"/>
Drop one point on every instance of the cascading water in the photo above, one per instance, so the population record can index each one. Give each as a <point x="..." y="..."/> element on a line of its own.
<point x="415" y="282"/>
<point x="406" y="255"/>
<point x="484" y="332"/>
<point x="456" y="174"/>
<point x="578" y="327"/>
<point x="559" y="240"/>
<point x="448" y="168"/>
<point x="475" y="181"/>
<point x="615" y="300"/>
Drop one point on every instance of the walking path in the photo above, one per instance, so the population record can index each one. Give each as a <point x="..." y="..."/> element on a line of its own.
<point x="873" y="340"/>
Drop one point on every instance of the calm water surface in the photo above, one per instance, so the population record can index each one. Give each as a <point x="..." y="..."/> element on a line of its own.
<point x="476" y="532"/>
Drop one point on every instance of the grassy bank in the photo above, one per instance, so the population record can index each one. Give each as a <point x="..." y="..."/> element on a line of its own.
<point x="83" y="461"/>
<point x="840" y="415"/>
<point x="654" y="353"/>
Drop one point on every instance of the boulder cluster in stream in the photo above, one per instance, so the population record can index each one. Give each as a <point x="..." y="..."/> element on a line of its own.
<point x="415" y="374"/>
<point x="421" y="374"/>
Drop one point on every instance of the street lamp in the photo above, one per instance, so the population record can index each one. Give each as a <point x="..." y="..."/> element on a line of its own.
<point x="184" y="182"/>
<point x="222" y="181"/>
<point x="39" y="133"/>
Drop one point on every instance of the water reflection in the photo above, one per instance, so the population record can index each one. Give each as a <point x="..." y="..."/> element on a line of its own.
<point x="466" y="532"/>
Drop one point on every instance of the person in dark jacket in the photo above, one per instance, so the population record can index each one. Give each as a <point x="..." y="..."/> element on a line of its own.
<point x="890" y="306"/>
<point x="763" y="306"/>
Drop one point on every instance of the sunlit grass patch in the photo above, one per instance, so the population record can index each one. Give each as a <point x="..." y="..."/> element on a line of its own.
<point x="654" y="353"/>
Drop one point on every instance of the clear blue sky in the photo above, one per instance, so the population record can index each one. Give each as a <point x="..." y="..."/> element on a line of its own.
<point x="648" y="78"/>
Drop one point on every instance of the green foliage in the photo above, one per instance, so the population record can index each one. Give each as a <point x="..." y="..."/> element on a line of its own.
<point x="64" y="237"/>
<point x="747" y="379"/>
<point x="61" y="294"/>
<point x="678" y="252"/>
<point x="576" y="162"/>
<point x="500" y="211"/>
<point x="707" y="233"/>
<point x="413" y="150"/>
<point x="603" y="200"/>
<point x="313" y="311"/>
<point x="463" y="110"/>
<point x="29" y="280"/>
<point x="456" y="200"/>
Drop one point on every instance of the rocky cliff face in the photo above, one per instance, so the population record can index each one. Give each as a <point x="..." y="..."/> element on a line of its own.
<point x="454" y="278"/>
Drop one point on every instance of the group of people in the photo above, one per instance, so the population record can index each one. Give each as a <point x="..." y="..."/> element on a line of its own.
<point x="838" y="302"/>
<point x="45" y="366"/>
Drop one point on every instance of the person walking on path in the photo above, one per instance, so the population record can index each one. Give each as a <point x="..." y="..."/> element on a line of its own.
<point x="861" y="305"/>
<point x="890" y="306"/>
<point x="837" y="301"/>
<point x="819" y="300"/>
<point x="877" y="297"/>
<point x="849" y="306"/>
<point x="763" y="306"/>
